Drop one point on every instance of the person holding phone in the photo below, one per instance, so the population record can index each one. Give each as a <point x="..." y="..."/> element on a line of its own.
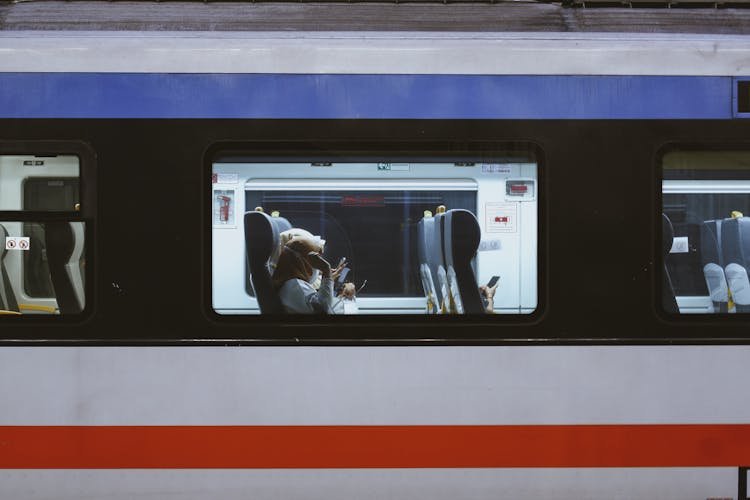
<point x="297" y="270"/>
<point x="488" y="294"/>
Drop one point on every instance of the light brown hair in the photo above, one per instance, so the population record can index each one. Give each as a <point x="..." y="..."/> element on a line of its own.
<point x="293" y="262"/>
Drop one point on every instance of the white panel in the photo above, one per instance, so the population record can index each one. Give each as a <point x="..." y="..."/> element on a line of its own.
<point x="529" y="246"/>
<point x="376" y="53"/>
<point x="378" y="484"/>
<point x="375" y="385"/>
<point x="229" y="260"/>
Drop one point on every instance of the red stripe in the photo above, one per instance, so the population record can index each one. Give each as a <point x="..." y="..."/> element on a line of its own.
<point x="92" y="447"/>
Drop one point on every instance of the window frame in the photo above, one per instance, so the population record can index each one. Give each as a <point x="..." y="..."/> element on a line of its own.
<point x="339" y="327"/>
<point x="86" y="215"/>
<point x="678" y="318"/>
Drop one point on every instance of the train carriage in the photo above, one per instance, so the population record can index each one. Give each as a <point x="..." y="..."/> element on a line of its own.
<point x="594" y="159"/>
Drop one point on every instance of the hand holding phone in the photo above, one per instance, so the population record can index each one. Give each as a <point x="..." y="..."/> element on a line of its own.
<point x="341" y="277"/>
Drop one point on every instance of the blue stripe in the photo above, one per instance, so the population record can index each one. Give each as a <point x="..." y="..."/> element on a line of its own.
<point x="126" y="95"/>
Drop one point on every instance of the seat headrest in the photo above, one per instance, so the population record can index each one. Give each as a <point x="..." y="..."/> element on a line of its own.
<point x="425" y="240"/>
<point x="465" y="235"/>
<point x="461" y="237"/>
<point x="710" y="233"/>
<point x="261" y="237"/>
<point x="261" y="243"/>
<point x="735" y="236"/>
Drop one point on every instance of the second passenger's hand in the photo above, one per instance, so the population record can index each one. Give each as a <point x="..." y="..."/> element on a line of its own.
<point x="335" y="272"/>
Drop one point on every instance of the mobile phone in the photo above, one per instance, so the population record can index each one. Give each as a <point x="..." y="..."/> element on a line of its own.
<point x="492" y="281"/>
<point x="342" y="277"/>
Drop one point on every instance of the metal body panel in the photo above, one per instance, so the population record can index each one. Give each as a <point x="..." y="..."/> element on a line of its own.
<point x="115" y="95"/>
<point x="373" y="484"/>
<point x="480" y="385"/>
<point x="379" y="76"/>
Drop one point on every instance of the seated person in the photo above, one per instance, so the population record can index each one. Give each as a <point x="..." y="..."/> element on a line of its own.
<point x="285" y="237"/>
<point x="297" y="269"/>
<point x="346" y="299"/>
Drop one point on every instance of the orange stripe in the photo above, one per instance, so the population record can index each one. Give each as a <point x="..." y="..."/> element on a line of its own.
<point x="92" y="447"/>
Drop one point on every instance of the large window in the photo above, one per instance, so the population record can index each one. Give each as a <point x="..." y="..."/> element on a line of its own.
<point x="417" y="234"/>
<point x="43" y="231"/>
<point x="706" y="231"/>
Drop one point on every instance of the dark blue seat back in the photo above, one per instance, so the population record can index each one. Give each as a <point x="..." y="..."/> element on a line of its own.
<point x="711" y="243"/>
<point x="735" y="246"/>
<point x="428" y="262"/>
<point x="64" y="246"/>
<point x="461" y="237"/>
<point x="712" y="260"/>
<point x="261" y="241"/>
<point x="7" y="295"/>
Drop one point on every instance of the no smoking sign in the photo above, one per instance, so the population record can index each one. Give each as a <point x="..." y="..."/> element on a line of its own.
<point x="17" y="243"/>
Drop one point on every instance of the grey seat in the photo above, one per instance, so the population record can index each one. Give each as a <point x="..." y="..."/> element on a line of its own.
<point x="438" y="266"/>
<point x="65" y="243"/>
<point x="735" y="245"/>
<point x="712" y="260"/>
<point x="461" y="235"/>
<point x="669" y="303"/>
<point x="261" y="242"/>
<point x="7" y="295"/>
<point x="428" y="265"/>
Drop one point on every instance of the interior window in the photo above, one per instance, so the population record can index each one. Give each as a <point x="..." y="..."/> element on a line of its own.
<point x="706" y="232"/>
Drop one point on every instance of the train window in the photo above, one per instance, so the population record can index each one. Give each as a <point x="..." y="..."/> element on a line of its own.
<point x="414" y="234"/>
<point x="43" y="232"/>
<point x="706" y="231"/>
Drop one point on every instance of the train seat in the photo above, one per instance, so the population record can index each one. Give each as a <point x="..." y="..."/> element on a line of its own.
<point x="262" y="241"/>
<point x="426" y="247"/>
<point x="65" y="244"/>
<point x="713" y="264"/>
<point x="668" y="300"/>
<point x="7" y="295"/>
<point x="735" y="243"/>
<point x="461" y="235"/>
<point x="436" y="257"/>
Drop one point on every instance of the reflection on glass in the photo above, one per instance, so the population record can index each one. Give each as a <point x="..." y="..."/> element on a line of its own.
<point x="41" y="183"/>
<point x="374" y="237"/>
<point x="706" y="236"/>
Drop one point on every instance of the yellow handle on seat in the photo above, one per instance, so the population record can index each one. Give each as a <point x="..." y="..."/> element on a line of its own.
<point x="33" y="307"/>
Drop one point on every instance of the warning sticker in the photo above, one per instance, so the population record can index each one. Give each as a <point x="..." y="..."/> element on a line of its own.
<point x="493" y="168"/>
<point x="501" y="217"/>
<point x="232" y="178"/>
<point x="223" y="208"/>
<point x="17" y="243"/>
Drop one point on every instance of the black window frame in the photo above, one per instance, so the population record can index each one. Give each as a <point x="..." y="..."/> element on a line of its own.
<point x="426" y="327"/>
